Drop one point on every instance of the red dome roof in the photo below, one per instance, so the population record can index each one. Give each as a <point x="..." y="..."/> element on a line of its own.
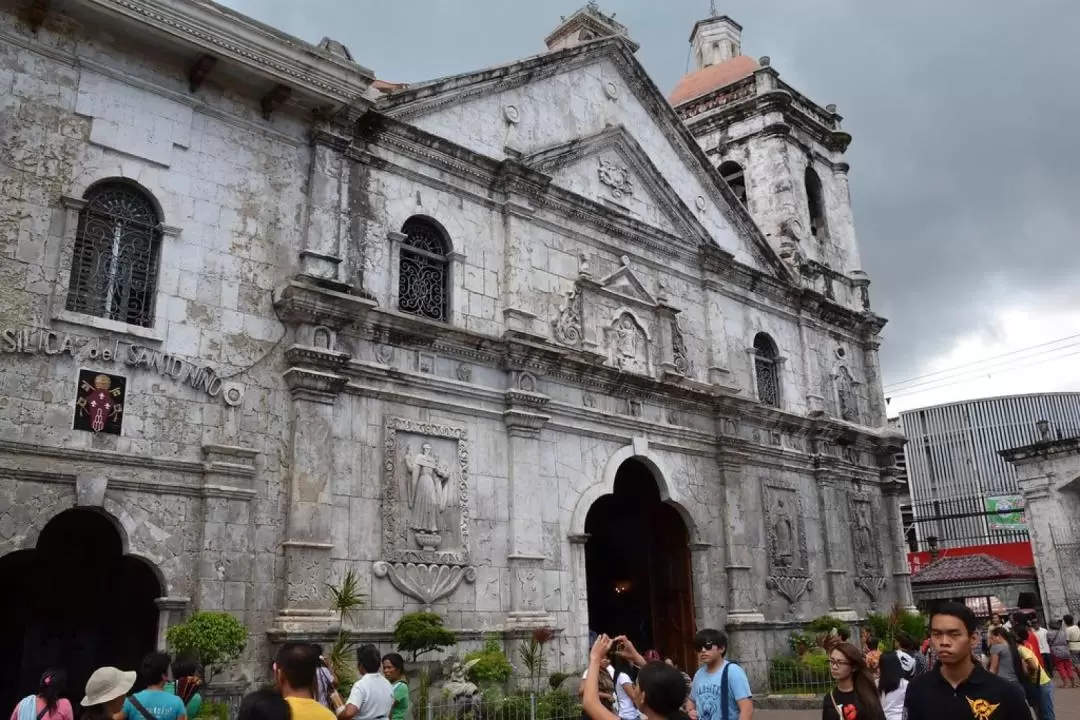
<point x="711" y="78"/>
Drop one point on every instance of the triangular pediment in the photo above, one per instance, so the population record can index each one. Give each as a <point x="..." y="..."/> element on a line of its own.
<point x="611" y="168"/>
<point x="626" y="283"/>
<point x="585" y="104"/>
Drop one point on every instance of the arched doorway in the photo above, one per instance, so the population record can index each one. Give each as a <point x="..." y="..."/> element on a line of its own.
<point x="75" y="601"/>
<point x="637" y="562"/>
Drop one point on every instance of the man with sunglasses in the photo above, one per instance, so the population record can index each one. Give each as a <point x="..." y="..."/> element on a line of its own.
<point x="721" y="690"/>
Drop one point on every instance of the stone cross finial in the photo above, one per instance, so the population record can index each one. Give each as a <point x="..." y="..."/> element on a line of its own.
<point x="712" y="8"/>
<point x="593" y="5"/>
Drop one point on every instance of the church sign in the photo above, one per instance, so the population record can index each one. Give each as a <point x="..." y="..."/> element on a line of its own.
<point x="34" y="341"/>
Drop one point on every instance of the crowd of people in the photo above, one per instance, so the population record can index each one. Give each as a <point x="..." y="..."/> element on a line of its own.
<point x="1002" y="671"/>
<point x="303" y="688"/>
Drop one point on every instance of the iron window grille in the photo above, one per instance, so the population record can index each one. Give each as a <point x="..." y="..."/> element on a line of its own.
<point x="115" y="264"/>
<point x="424" y="271"/>
<point x="766" y="369"/>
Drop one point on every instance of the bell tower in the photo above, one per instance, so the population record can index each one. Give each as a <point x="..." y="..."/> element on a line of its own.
<point x="781" y="153"/>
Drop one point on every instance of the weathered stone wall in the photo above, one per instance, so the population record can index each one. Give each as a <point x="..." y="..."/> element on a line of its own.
<point x="79" y="107"/>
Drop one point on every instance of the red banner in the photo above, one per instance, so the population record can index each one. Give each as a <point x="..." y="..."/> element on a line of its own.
<point x="1017" y="553"/>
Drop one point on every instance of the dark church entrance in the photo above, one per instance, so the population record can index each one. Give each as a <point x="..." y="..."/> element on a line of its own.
<point x="637" y="563"/>
<point x="73" y="602"/>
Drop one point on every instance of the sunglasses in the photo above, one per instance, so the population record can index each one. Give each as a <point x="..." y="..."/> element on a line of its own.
<point x="707" y="646"/>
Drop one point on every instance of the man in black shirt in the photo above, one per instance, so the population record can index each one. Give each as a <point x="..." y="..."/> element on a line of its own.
<point x="958" y="688"/>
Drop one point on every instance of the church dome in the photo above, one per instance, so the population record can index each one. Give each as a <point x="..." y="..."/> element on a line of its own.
<point x="712" y="78"/>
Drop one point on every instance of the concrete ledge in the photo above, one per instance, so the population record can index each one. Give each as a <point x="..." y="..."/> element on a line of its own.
<point x="788" y="702"/>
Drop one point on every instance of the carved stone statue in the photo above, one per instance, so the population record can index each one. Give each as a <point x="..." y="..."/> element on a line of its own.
<point x="628" y="345"/>
<point x="427" y="494"/>
<point x="784" y="534"/>
<point x="626" y="329"/>
<point x="463" y="693"/>
<point x="864" y="542"/>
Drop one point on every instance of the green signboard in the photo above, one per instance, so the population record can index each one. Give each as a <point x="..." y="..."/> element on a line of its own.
<point x="1005" y="512"/>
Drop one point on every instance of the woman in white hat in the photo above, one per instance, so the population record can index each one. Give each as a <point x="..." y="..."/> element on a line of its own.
<point x="105" y="693"/>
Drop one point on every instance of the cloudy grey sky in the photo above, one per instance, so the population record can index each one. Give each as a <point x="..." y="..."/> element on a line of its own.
<point x="965" y="165"/>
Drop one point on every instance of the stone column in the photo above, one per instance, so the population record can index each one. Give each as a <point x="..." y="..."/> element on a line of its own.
<point x="520" y="314"/>
<point x="577" y="603"/>
<point x="225" y="554"/>
<point x="739" y="566"/>
<point x="835" y="539"/>
<point x="308" y="529"/>
<point x="524" y="422"/>
<point x="1044" y="512"/>
<point x="875" y="400"/>
<point x="892" y="493"/>
<point x="171" y="611"/>
<point x="328" y="224"/>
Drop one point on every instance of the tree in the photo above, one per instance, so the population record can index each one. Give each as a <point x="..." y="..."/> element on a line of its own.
<point x="346" y="598"/>
<point x="215" y="638"/>
<point x="422" y="632"/>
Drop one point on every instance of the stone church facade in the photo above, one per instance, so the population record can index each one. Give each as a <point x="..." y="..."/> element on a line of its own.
<point x="276" y="320"/>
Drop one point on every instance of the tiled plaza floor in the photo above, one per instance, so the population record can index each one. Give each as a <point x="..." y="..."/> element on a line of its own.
<point x="1066" y="707"/>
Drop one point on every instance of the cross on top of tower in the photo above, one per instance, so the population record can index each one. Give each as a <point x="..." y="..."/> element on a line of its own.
<point x="712" y="8"/>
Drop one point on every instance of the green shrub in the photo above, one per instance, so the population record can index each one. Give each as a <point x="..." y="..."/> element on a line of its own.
<point x="215" y="638"/>
<point x="213" y="711"/>
<point x="557" y="705"/>
<point x="493" y="667"/>
<point x="557" y="679"/>
<point x="422" y="632"/>
<point x="824" y="624"/>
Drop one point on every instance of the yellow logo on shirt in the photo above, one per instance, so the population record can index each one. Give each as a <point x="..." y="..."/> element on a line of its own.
<point x="981" y="709"/>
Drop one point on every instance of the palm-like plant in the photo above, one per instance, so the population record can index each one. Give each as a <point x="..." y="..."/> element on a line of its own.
<point x="346" y="599"/>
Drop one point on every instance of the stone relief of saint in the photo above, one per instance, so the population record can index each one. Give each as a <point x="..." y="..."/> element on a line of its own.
<point x="864" y="544"/>
<point x="627" y="343"/>
<point x="785" y="553"/>
<point x="427" y="490"/>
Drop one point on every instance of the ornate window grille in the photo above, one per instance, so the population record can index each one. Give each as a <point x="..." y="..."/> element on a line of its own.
<point x="115" y="264"/>
<point x="423" y="283"/>
<point x="767" y="370"/>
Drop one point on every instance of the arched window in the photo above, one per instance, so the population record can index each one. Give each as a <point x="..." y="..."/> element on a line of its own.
<point x="115" y="263"/>
<point x="423" y="283"/>
<point x="732" y="173"/>
<point x="815" y="198"/>
<point x="767" y="370"/>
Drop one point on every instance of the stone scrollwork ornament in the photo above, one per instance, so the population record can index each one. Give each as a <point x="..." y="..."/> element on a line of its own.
<point x="872" y="585"/>
<point x="426" y="583"/>
<point x="678" y="349"/>
<point x="617" y="178"/>
<point x="567" y="325"/>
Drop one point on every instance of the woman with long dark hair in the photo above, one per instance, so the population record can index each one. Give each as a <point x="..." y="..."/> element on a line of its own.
<point x="856" y="695"/>
<point x="1005" y="662"/>
<point x="46" y="704"/>
<point x="659" y="692"/>
<point x="892" y="686"/>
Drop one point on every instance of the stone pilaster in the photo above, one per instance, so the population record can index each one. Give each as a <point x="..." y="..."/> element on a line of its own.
<point x="876" y="416"/>
<point x="524" y="421"/>
<point x="1044" y="512"/>
<point x="739" y="566"/>
<point x="893" y="492"/>
<point x="171" y="611"/>
<point x="313" y="316"/>
<point x="227" y="542"/>
<point x="834" y="540"/>
<point x="517" y="187"/>
<point x="327" y="231"/>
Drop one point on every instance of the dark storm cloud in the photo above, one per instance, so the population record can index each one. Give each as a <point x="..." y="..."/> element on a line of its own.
<point x="965" y="165"/>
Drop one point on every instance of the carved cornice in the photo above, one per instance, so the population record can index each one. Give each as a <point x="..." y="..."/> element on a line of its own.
<point x="269" y="52"/>
<point x="330" y="360"/>
<point x="313" y="385"/>
<point x="304" y="303"/>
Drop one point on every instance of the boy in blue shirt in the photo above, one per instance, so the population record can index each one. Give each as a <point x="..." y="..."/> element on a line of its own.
<point x="155" y="702"/>
<point x="720" y="690"/>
